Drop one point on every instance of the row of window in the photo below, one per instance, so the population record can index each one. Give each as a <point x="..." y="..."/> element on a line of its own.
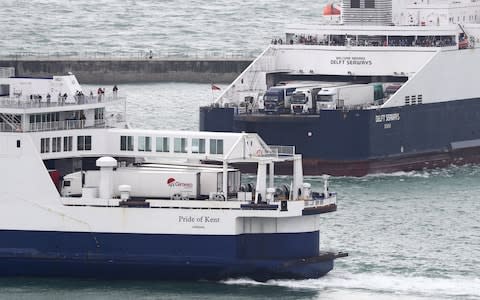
<point x="367" y="4"/>
<point x="162" y="144"/>
<point x="54" y="144"/>
<point x="413" y="100"/>
<point x="45" y="118"/>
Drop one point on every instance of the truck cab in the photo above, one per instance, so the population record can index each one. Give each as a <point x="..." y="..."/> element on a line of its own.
<point x="277" y="99"/>
<point x="304" y="100"/>
<point x="301" y="101"/>
<point x="327" y="99"/>
<point x="72" y="184"/>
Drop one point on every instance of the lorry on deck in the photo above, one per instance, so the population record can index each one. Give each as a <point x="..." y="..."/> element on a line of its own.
<point x="155" y="182"/>
<point x="349" y="96"/>
<point x="277" y="99"/>
<point x="304" y="99"/>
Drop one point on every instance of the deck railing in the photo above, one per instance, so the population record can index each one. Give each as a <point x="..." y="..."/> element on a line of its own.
<point x="63" y="125"/>
<point x="74" y="124"/>
<point x="12" y="102"/>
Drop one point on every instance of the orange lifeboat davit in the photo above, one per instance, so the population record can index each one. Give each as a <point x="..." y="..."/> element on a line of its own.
<point x="331" y="10"/>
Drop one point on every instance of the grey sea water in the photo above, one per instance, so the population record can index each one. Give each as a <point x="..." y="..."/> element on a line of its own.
<point x="166" y="27"/>
<point x="412" y="235"/>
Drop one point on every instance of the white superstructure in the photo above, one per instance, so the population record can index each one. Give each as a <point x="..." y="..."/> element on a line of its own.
<point x="431" y="43"/>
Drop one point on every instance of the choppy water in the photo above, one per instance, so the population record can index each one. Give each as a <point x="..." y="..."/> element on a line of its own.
<point x="166" y="27"/>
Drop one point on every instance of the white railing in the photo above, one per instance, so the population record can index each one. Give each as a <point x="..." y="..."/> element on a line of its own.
<point x="4" y="127"/>
<point x="140" y="55"/>
<point x="12" y="102"/>
<point x="332" y="199"/>
<point x="74" y="124"/>
<point x="283" y="150"/>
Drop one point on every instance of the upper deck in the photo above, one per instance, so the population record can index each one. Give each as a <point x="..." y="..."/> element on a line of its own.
<point x="56" y="103"/>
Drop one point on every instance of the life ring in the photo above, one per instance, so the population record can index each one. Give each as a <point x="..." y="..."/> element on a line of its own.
<point x="259" y="152"/>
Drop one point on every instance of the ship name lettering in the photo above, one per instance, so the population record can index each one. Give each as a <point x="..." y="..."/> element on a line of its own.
<point x="387" y="118"/>
<point x="211" y="220"/>
<point x="186" y="219"/>
<point x="201" y="219"/>
<point x="347" y="60"/>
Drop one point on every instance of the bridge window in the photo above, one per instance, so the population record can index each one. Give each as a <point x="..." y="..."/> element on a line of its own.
<point x="198" y="145"/>
<point x="84" y="142"/>
<point x="163" y="144"/>
<point x="126" y="143"/>
<point x="144" y="143"/>
<point x="56" y="144"/>
<point x="355" y="4"/>
<point x="45" y="145"/>
<point x="216" y="146"/>
<point x="180" y="145"/>
<point x="67" y="143"/>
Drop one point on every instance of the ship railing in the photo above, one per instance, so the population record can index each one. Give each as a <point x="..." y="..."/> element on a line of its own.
<point x="240" y="54"/>
<point x="4" y="127"/>
<point x="73" y="124"/>
<point x="13" y="102"/>
<point x="331" y="200"/>
<point x="282" y="151"/>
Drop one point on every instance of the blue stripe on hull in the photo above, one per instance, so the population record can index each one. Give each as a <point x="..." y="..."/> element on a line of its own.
<point x="176" y="257"/>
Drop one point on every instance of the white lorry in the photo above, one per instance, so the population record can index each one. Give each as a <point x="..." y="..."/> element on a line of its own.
<point x="156" y="182"/>
<point x="348" y="96"/>
<point x="144" y="183"/>
<point x="277" y="99"/>
<point x="304" y="99"/>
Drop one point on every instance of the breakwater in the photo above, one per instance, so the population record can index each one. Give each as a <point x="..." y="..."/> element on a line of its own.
<point x="113" y="71"/>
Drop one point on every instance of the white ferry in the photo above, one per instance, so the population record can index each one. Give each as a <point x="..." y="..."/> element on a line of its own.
<point x="84" y="195"/>
<point x="389" y="86"/>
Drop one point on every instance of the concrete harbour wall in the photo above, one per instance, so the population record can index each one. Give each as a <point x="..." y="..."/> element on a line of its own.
<point x="113" y="71"/>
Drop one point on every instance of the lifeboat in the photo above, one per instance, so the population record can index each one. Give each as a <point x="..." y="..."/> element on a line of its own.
<point x="331" y="10"/>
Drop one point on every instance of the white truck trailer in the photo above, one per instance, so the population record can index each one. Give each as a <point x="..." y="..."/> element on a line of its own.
<point x="211" y="176"/>
<point x="144" y="183"/>
<point x="348" y="96"/>
<point x="304" y="99"/>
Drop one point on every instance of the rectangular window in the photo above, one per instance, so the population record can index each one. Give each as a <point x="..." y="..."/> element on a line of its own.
<point x="84" y="143"/>
<point x="144" y="143"/>
<point x="67" y="143"/>
<point x="126" y="143"/>
<point x="163" y="144"/>
<point x="407" y="100"/>
<point x="180" y="145"/>
<point x="56" y="144"/>
<point x="99" y="113"/>
<point x="369" y="3"/>
<point x="414" y="100"/>
<point x="198" y="145"/>
<point x="216" y="146"/>
<point x="45" y="145"/>
<point x="354" y="3"/>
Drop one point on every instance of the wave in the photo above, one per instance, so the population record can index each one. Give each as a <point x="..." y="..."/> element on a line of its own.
<point x="381" y="284"/>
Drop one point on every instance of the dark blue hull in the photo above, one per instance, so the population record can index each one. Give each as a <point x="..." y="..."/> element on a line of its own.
<point x="167" y="257"/>
<point x="358" y="142"/>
